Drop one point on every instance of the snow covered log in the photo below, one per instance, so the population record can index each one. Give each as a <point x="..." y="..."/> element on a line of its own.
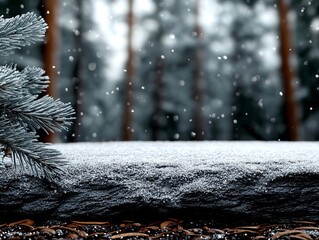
<point x="227" y="182"/>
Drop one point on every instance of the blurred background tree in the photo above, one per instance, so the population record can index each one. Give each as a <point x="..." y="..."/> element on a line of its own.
<point x="181" y="70"/>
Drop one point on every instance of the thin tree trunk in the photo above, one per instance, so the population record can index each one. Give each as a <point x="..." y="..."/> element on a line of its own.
<point x="198" y="79"/>
<point x="127" y="118"/>
<point x="159" y="67"/>
<point x="290" y="105"/>
<point x="157" y="96"/>
<point x="75" y="128"/>
<point x="49" y="12"/>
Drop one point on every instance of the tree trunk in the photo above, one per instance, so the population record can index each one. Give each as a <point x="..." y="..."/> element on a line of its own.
<point x="77" y="89"/>
<point x="157" y="97"/>
<point x="128" y="98"/>
<point x="198" y="78"/>
<point x="158" y="79"/>
<point x="290" y="106"/>
<point x="49" y="12"/>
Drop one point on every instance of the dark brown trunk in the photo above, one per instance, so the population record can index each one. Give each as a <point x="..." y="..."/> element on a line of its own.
<point x="198" y="79"/>
<point x="49" y="12"/>
<point x="290" y="106"/>
<point x="127" y="118"/>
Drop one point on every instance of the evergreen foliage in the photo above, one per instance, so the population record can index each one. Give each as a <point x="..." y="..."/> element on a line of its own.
<point x="22" y="109"/>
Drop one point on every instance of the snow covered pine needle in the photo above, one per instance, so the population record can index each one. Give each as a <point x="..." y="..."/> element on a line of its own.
<point x="22" y="109"/>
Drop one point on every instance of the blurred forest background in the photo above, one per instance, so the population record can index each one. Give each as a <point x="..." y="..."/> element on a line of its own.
<point x="180" y="70"/>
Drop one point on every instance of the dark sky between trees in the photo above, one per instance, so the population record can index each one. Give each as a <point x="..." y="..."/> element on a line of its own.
<point x="180" y="70"/>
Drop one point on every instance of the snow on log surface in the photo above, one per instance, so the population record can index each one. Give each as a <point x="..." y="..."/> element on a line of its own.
<point x="227" y="182"/>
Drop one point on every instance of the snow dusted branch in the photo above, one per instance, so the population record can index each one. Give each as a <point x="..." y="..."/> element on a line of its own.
<point x="22" y="110"/>
<point x="20" y="31"/>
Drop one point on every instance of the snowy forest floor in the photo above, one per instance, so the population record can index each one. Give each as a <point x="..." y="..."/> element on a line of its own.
<point x="222" y="182"/>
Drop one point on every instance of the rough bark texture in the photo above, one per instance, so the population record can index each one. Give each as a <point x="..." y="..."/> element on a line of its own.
<point x="230" y="182"/>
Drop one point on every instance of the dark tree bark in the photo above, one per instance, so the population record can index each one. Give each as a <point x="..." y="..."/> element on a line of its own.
<point x="157" y="97"/>
<point x="198" y="78"/>
<point x="49" y="12"/>
<point x="290" y="106"/>
<point x="77" y="89"/>
<point x="158" y="76"/>
<point x="128" y="98"/>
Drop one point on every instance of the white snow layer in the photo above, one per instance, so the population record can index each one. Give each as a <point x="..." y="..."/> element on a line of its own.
<point x="163" y="170"/>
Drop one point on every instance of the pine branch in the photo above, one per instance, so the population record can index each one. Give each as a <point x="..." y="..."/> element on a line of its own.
<point x="10" y="82"/>
<point x="42" y="113"/>
<point x="20" y="31"/>
<point x="30" y="81"/>
<point x="34" y="79"/>
<point x="22" y="111"/>
<point x="21" y="107"/>
<point x="28" y="153"/>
